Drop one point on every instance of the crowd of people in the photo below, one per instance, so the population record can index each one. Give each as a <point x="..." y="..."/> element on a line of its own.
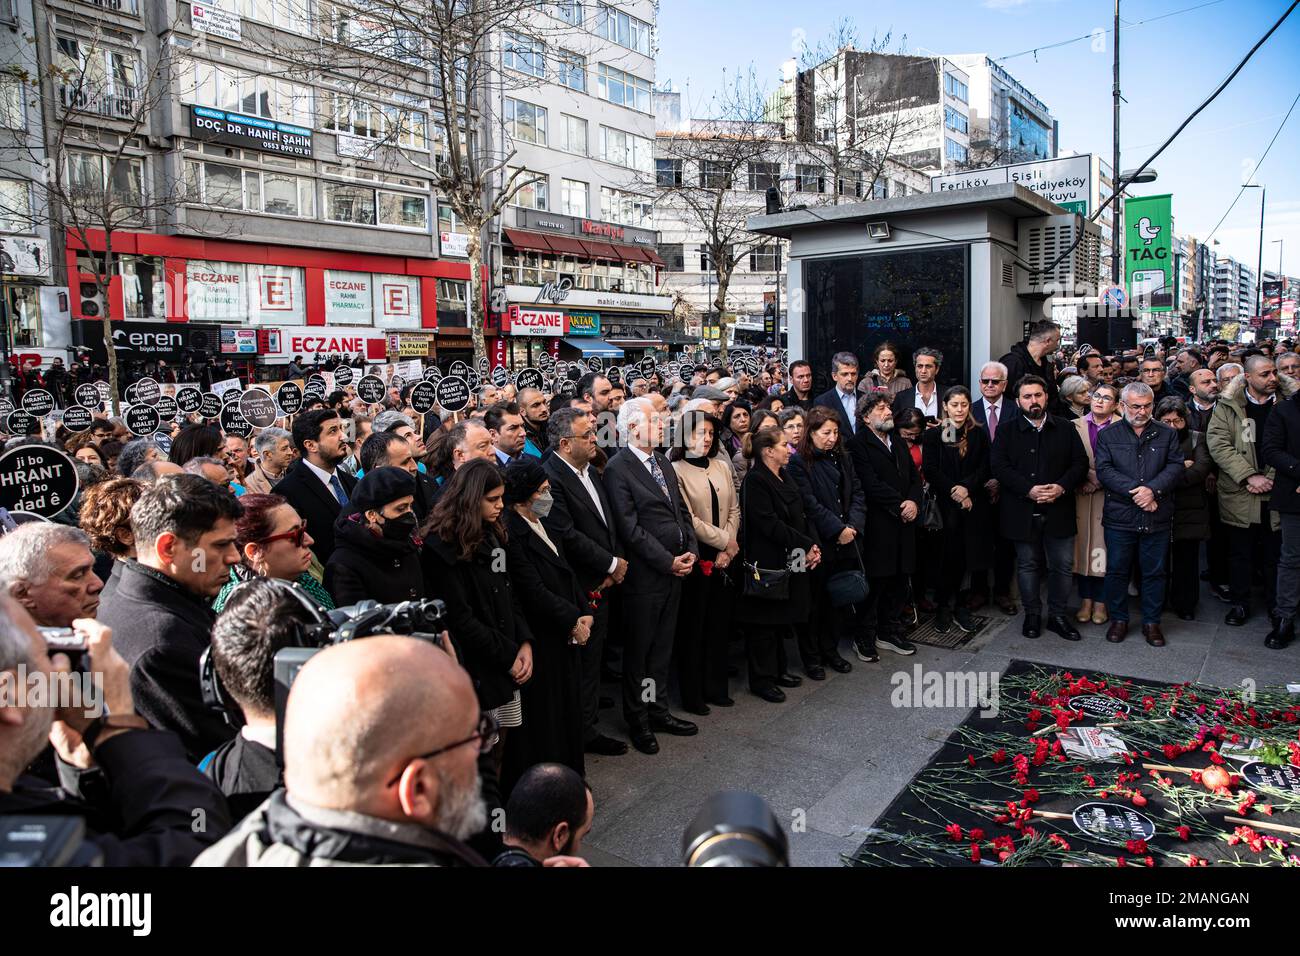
<point x="597" y="556"/>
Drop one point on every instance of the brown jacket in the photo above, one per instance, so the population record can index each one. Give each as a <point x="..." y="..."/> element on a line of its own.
<point x="259" y="482"/>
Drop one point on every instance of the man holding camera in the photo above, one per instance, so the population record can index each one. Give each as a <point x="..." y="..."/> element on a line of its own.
<point x="382" y="739"/>
<point x="142" y="801"/>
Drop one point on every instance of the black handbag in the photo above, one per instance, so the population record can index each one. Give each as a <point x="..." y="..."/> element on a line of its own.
<point x="846" y="588"/>
<point x="763" y="584"/>
<point x="931" y="516"/>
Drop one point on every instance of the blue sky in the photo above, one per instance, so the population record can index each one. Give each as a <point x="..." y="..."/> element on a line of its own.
<point x="1168" y="67"/>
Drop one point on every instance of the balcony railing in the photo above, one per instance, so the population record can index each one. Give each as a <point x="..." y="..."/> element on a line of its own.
<point x="120" y="105"/>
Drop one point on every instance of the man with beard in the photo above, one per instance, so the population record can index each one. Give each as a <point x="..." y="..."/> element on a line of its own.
<point x="1038" y="461"/>
<point x="549" y="813"/>
<point x="1186" y="362"/>
<point x="1139" y="463"/>
<point x="381" y="745"/>
<point x="316" y="487"/>
<point x="532" y="403"/>
<point x="1203" y="389"/>
<point x="1033" y="357"/>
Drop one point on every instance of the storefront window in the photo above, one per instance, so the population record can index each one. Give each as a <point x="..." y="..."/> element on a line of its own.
<point x="397" y="302"/>
<point x="452" y="305"/>
<point x="144" y="287"/>
<point x="25" y="311"/>
<point x="277" y="295"/>
<point x="216" y="291"/>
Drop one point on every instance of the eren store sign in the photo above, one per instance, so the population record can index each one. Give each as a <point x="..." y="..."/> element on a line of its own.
<point x="543" y="322"/>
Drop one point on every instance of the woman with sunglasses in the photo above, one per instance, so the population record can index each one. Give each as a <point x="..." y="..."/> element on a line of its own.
<point x="273" y="543"/>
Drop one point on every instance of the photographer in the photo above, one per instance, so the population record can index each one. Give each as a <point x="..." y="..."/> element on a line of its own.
<point x="381" y="744"/>
<point x="549" y="813"/>
<point x="146" y="805"/>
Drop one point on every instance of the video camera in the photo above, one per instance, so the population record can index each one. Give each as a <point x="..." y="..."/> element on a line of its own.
<point x="46" y="841"/>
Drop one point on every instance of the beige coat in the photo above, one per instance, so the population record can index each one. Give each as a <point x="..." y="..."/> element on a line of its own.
<point x="1089" y="538"/>
<point x="694" y="483"/>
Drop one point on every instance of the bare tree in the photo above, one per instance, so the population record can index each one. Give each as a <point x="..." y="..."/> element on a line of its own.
<point x="715" y="178"/>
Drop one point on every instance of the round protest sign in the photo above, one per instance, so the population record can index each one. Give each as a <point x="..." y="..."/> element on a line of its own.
<point x="37" y="479"/>
<point x="1099" y="706"/>
<point x="147" y="390"/>
<point x="432" y="373"/>
<point x="473" y="380"/>
<point x="424" y="396"/>
<point x="210" y="405"/>
<point x="6" y="406"/>
<point x="38" y="402"/>
<point x="167" y="408"/>
<point x="1113" y="823"/>
<point x="343" y="376"/>
<point x="595" y="364"/>
<point x="289" y="397"/>
<point x="233" y="422"/>
<point x="528" y="378"/>
<point x="189" y="400"/>
<point x="1272" y="776"/>
<point x="500" y="376"/>
<point x="370" y="389"/>
<point x="453" y="393"/>
<point x="142" y="420"/>
<point x="258" y="408"/>
<point x="458" y="369"/>
<point x="231" y="396"/>
<point x="87" y="394"/>
<point x="77" y="418"/>
<point x="19" y="422"/>
<point x="316" y="381"/>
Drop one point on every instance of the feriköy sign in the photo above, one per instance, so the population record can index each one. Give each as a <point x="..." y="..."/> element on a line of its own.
<point x="37" y="480"/>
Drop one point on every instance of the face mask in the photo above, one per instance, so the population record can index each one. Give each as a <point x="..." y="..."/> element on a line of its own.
<point x="399" y="528"/>
<point x="542" y="506"/>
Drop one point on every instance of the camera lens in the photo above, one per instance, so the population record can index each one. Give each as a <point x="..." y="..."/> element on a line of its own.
<point x="735" y="828"/>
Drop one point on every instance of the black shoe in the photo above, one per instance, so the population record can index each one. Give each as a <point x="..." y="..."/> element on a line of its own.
<point x="1186" y="616"/>
<point x="815" y="672"/>
<point x="643" y="740"/>
<point x="674" y="725"/>
<point x="897" y="644"/>
<point x="866" y="652"/>
<point x="722" y="702"/>
<point x="1282" y="634"/>
<point x="700" y="710"/>
<point x="1237" y="615"/>
<point x="839" y="665"/>
<point x="943" y="620"/>
<point x="1033" y="625"/>
<point x="605" y="703"/>
<point x="773" y="695"/>
<point x="964" y="620"/>
<point x="605" y="746"/>
<point x="1061" y="626"/>
<point x="789" y="680"/>
<point x="1222" y="592"/>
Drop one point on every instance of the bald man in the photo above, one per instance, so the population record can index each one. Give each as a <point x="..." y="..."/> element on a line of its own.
<point x="381" y="744"/>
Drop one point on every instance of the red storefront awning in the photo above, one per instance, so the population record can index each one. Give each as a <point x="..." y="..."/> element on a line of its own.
<point x="564" y="244"/>
<point x="528" y="240"/>
<point x="602" y="250"/>
<point x="653" y="257"/>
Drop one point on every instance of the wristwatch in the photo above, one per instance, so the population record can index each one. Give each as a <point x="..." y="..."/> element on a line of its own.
<point x="111" y="722"/>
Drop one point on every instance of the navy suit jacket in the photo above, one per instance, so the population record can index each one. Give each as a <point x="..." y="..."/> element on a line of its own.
<point x="1009" y="413"/>
<point x="831" y="400"/>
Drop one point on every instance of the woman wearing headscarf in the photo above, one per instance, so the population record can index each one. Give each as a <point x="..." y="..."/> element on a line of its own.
<point x="559" y="618"/>
<point x="1090" y="500"/>
<point x="376" y="555"/>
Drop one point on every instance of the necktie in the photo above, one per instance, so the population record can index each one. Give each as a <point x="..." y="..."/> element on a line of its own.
<point x="339" y="493"/>
<point x="658" y="474"/>
<point x="993" y="421"/>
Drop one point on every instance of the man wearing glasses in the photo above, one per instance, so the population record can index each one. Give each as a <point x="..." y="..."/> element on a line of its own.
<point x="382" y="741"/>
<point x="992" y="410"/>
<point x="1139" y="463"/>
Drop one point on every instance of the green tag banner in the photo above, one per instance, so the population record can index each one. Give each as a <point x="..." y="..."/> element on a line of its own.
<point x="1148" y="252"/>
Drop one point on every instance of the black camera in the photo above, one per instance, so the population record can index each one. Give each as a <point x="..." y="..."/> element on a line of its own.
<point x="46" y="841"/>
<point x="64" y="640"/>
<point x="735" y="828"/>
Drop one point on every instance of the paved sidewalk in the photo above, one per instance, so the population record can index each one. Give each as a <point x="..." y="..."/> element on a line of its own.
<point x="831" y="758"/>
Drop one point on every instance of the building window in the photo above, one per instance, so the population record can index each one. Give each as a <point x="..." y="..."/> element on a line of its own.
<point x="955" y="120"/>
<point x="98" y="80"/>
<point x="954" y="151"/>
<point x="765" y="258"/>
<point x="353" y="204"/>
<point x="574" y="134"/>
<point x="714" y="175"/>
<point x="570" y="11"/>
<point x="291" y="15"/>
<point x="622" y="89"/>
<point x="625" y="208"/>
<point x="15" y="206"/>
<point x="89" y="172"/>
<point x="668" y="172"/>
<point x="533" y="195"/>
<point x="526" y="122"/>
<point x="955" y="88"/>
<point x="225" y="88"/>
<point x="11" y="102"/>
<point x="571" y="71"/>
<point x="625" y="149"/>
<point x="1030" y="139"/>
<point x="25" y="316"/>
<point x="880" y="189"/>
<point x="525" y="55"/>
<point x="403" y="210"/>
<point x="354" y="117"/>
<point x="764" y="176"/>
<point x="852" y="185"/>
<point x="573" y="198"/>
<point x="248" y="190"/>
<point x="810" y="178"/>
<point x="706" y="258"/>
<point x="621" y="28"/>
<point x="674" y="256"/>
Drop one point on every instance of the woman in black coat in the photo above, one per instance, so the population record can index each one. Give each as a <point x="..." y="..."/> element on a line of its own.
<point x="464" y="542"/>
<point x="774" y="535"/>
<point x="836" y="507"/>
<point x="558" y="618"/>
<point x="1191" y="510"/>
<point x="375" y="555"/>
<point x="955" y="458"/>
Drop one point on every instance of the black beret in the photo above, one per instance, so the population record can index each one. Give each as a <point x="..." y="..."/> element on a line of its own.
<point x="380" y="487"/>
<point x="524" y="476"/>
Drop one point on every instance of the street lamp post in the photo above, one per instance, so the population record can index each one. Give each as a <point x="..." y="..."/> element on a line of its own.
<point x="1259" y="264"/>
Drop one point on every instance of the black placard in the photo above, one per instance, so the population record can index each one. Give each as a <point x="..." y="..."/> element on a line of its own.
<point x="38" y="402"/>
<point x="19" y="422"/>
<point x="142" y="420"/>
<point x="210" y="405"/>
<point x="289" y="396"/>
<point x="615" y="375"/>
<point x="473" y="380"/>
<point x="233" y="422"/>
<point x="500" y="376"/>
<point x="189" y="399"/>
<point x="6" y="406"/>
<point x="370" y="389"/>
<point x="1272" y="776"/>
<point x="317" y="381"/>
<point x="1099" y="706"/>
<point x="343" y="376"/>
<point x="561" y="369"/>
<point x="258" y="408"/>
<point x="424" y="396"/>
<point x="458" y="368"/>
<point x="453" y="393"/>
<point x="568" y="388"/>
<point x="1113" y="823"/>
<point x="595" y="364"/>
<point x="167" y="408"/>
<point x="482" y="365"/>
<point x="148" y="391"/>
<point x="77" y="418"/>
<point x="432" y="373"/>
<point x="528" y="378"/>
<point x="686" y="373"/>
<point x="132" y="394"/>
<point x="231" y="396"/>
<point x="87" y="394"/>
<point x="37" y="479"/>
<point x="647" y="366"/>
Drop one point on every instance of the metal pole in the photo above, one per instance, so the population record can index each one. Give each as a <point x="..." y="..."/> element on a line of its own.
<point x="1259" y="265"/>
<point x="1115" y="238"/>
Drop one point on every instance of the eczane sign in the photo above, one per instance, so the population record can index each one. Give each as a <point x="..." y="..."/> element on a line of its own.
<point x="543" y="322"/>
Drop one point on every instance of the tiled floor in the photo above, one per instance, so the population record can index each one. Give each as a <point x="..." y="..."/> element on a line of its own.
<point x="831" y="757"/>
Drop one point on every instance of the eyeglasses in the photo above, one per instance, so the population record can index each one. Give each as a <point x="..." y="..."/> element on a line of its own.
<point x="485" y="735"/>
<point x="992" y="381"/>
<point x="296" y="536"/>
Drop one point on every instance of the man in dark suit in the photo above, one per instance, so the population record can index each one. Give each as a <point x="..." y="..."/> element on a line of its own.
<point x="316" y="487"/>
<point x="1038" y="461"/>
<point x="583" y="520"/>
<point x="843" y="398"/>
<point x="992" y="410"/>
<point x="925" y="393"/>
<point x="656" y="531"/>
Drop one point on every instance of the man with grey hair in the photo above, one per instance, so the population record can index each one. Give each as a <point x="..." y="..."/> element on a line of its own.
<point x="925" y="393"/>
<point x="49" y="570"/>
<point x="151" y="471"/>
<point x="381" y="756"/>
<point x="1246" y="480"/>
<point x="275" y="453"/>
<point x="991" y="410"/>
<point x="135" y="453"/>
<point x="843" y="398"/>
<point x="1139" y="462"/>
<point x="1227" y="372"/>
<point x="214" y="470"/>
<point x="147" y="812"/>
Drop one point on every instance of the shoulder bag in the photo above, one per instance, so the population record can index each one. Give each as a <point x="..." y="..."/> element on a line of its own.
<point x="762" y="584"/>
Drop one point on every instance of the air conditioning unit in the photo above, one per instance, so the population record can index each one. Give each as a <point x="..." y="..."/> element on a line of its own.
<point x="1044" y="240"/>
<point x="92" y="303"/>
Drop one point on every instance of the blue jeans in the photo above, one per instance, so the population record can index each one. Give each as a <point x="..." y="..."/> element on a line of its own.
<point x="1152" y="549"/>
